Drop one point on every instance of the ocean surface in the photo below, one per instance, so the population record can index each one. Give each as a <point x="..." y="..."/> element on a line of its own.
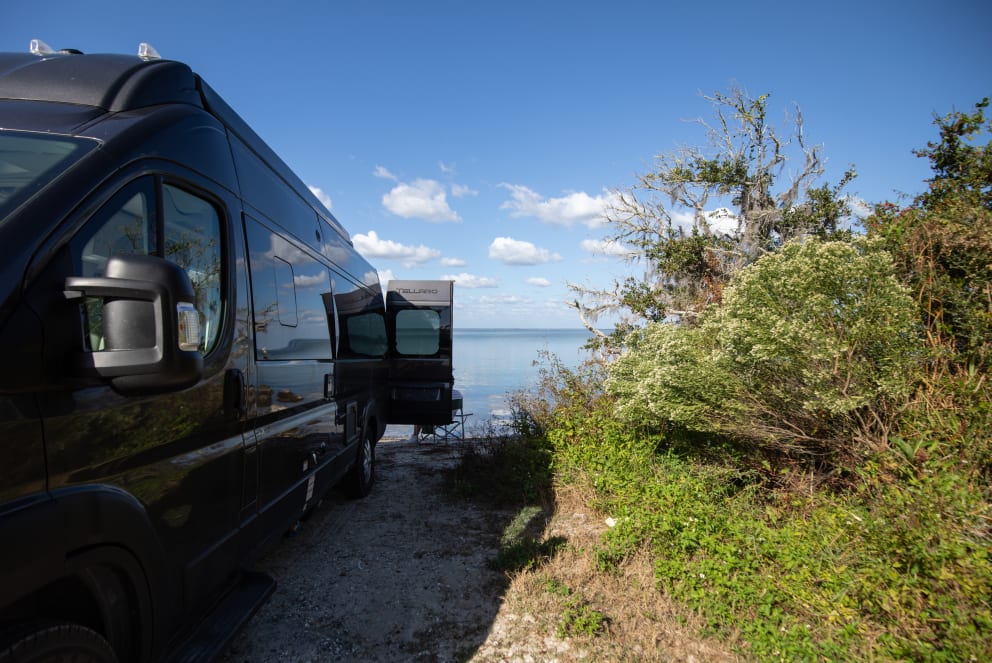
<point x="489" y="364"/>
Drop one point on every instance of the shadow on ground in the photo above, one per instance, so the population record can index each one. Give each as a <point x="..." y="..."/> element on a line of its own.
<point x="406" y="574"/>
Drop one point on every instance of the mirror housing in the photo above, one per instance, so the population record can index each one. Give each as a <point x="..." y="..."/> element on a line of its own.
<point x="149" y="320"/>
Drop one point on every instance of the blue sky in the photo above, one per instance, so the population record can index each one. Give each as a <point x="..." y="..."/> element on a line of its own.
<point x="481" y="140"/>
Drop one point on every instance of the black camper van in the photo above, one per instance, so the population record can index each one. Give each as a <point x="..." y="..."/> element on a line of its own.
<point x="194" y="354"/>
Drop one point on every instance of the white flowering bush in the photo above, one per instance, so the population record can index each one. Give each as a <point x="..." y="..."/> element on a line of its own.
<point x="813" y="351"/>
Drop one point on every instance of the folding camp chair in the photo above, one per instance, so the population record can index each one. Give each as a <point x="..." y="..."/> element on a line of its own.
<point x="454" y="429"/>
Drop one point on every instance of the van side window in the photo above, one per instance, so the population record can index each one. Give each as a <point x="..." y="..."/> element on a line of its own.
<point x="193" y="241"/>
<point x="418" y="332"/>
<point x="366" y="334"/>
<point x="190" y="233"/>
<point x="291" y="297"/>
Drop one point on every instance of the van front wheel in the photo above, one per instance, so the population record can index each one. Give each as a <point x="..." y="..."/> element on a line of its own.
<point x="362" y="475"/>
<point x="52" y="642"/>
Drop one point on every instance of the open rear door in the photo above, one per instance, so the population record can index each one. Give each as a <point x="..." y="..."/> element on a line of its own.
<point x="418" y="315"/>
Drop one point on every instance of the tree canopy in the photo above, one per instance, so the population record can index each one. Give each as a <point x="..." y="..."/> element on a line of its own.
<point x="705" y="212"/>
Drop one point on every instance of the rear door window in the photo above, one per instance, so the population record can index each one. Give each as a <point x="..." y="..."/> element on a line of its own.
<point x="418" y="332"/>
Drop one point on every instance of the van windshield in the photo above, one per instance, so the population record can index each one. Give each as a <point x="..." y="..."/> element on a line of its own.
<point x="29" y="161"/>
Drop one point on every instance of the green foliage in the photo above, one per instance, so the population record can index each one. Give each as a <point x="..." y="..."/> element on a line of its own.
<point x="579" y="618"/>
<point x="928" y="564"/>
<point x="961" y="167"/>
<point x="896" y="569"/>
<point x="503" y="471"/>
<point x="811" y="353"/>
<point x="943" y="243"/>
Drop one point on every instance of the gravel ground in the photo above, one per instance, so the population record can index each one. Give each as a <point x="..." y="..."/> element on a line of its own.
<point x="401" y="575"/>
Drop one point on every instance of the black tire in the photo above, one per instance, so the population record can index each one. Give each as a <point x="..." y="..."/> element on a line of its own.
<point x="54" y="642"/>
<point x="362" y="475"/>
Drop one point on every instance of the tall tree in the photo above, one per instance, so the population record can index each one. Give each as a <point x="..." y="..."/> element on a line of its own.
<point x="706" y="212"/>
<point x="942" y="241"/>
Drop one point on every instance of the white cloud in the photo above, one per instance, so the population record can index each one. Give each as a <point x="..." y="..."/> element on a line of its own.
<point x="539" y="281"/>
<point x="382" y="173"/>
<point x="303" y="281"/>
<point x="459" y="191"/>
<point x="606" y="247"/>
<point x="859" y="207"/>
<point x="681" y="219"/>
<point x="321" y="196"/>
<point x="445" y="168"/>
<point x="720" y="220"/>
<point x="371" y="246"/>
<point x="422" y="199"/>
<point x="577" y="207"/>
<point x="515" y="252"/>
<point x="452" y="262"/>
<point x="503" y="299"/>
<point x="465" y="280"/>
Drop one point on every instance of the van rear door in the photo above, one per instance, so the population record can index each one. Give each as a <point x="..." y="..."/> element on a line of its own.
<point x="418" y="315"/>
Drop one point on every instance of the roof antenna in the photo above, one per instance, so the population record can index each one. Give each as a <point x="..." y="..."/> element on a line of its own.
<point x="38" y="47"/>
<point x="147" y="52"/>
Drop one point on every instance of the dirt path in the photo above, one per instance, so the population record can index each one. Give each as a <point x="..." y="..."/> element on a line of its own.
<point x="401" y="575"/>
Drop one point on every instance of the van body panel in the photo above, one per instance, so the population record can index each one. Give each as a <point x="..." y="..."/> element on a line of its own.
<point x="174" y="489"/>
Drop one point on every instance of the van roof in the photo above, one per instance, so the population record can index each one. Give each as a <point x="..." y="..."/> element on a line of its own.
<point x="115" y="83"/>
<point x="120" y="83"/>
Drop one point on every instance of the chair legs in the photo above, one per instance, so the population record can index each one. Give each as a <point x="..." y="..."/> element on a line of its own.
<point x="453" y="430"/>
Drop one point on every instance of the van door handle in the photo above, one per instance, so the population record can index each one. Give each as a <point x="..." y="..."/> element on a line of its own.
<point x="235" y="403"/>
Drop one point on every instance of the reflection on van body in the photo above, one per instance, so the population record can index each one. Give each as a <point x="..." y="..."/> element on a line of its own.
<point x="197" y="355"/>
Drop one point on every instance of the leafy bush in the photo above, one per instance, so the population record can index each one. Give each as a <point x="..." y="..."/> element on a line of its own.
<point x="812" y="353"/>
<point x="942" y="242"/>
<point x="942" y="245"/>
<point x="895" y="569"/>
<point x="503" y="471"/>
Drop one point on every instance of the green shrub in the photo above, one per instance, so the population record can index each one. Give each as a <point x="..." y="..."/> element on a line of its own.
<point x="894" y="570"/>
<point x="896" y="567"/>
<point x="812" y="353"/>
<point x="942" y="242"/>
<point x="579" y="618"/>
<point x="503" y="471"/>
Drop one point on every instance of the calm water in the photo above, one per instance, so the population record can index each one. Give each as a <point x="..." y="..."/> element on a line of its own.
<point x="491" y="363"/>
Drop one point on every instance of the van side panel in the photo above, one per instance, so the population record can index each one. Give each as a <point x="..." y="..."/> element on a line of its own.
<point x="299" y="432"/>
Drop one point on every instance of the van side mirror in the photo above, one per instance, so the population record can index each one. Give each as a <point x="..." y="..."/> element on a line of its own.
<point x="151" y="329"/>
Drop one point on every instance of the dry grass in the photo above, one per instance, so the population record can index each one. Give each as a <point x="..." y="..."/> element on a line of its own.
<point x="640" y="623"/>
